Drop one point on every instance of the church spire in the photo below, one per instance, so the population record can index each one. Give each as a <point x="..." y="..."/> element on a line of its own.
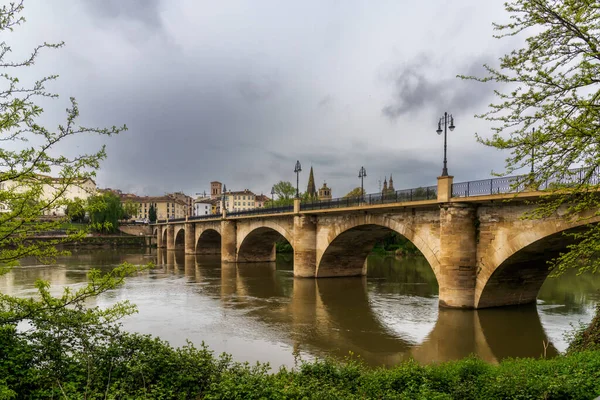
<point x="391" y="185"/>
<point x="385" y="186"/>
<point x="311" y="189"/>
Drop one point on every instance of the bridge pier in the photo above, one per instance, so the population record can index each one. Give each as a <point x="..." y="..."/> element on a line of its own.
<point x="228" y="241"/>
<point x="159" y="238"/>
<point x="170" y="237"/>
<point x="305" y="246"/>
<point x="190" y="238"/>
<point x="458" y="255"/>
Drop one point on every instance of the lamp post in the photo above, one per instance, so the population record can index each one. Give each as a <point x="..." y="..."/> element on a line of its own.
<point x="272" y="196"/>
<point x="447" y="118"/>
<point x="223" y="196"/>
<point x="362" y="173"/>
<point x="297" y="170"/>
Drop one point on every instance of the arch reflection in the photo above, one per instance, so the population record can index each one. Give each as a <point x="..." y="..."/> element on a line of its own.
<point x="331" y="317"/>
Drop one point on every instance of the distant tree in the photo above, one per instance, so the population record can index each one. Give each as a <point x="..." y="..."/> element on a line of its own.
<point x="355" y="192"/>
<point x="152" y="213"/>
<point x="285" y="193"/>
<point x="76" y="210"/>
<point x="284" y="190"/>
<point x="130" y="209"/>
<point x="105" y="212"/>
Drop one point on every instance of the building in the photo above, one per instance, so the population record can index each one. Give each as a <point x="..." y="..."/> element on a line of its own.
<point x="311" y="189"/>
<point x="166" y="207"/>
<point x="388" y="189"/>
<point x="324" y="192"/>
<point x="216" y="189"/>
<point x="260" y="200"/>
<point x="202" y="207"/>
<point x="55" y="190"/>
<point x="240" y="201"/>
<point x="182" y="197"/>
<point x="205" y="205"/>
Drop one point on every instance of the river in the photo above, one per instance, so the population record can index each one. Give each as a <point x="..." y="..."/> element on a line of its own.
<point x="259" y="312"/>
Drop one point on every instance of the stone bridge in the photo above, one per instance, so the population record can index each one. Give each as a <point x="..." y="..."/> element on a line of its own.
<point x="482" y="252"/>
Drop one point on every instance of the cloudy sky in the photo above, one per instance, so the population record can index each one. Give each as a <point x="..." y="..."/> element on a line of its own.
<point x="237" y="91"/>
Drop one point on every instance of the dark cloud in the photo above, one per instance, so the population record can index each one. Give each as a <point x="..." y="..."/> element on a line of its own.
<point x="326" y="102"/>
<point x="258" y="88"/>
<point x="237" y="93"/>
<point x="417" y="87"/>
<point x="145" y="11"/>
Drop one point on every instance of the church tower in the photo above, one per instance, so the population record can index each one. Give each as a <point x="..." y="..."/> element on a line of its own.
<point x="385" y="186"/>
<point x="325" y="192"/>
<point x="311" y="189"/>
<point x="391" y="185"/>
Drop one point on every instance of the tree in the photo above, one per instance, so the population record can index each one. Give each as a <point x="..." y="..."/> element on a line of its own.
<point x="29" y="154"/>
<point x="76" y="210"/>
<point x="284" y="190"/>
<point x="130" y="209"/>
<point x="152" y="213"/>
<point x="552" y="85"/>
<point x="356" y="192"/>
<point x="105" y="212"/>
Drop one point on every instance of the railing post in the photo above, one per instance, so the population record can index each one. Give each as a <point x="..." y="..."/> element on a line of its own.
<point x="444" y="192"/>
<point x="491" y="186"/>
<point x="296" y="206"/>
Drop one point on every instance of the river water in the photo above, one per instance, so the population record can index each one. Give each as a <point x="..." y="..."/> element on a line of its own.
<point x="259" y="312"/>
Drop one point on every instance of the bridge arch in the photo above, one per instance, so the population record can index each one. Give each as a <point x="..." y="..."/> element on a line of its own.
<point x="208" y="242"/>
<point x="348" y="245"/>
<point x="258" y="244"/>
<point x="179" y="238"/>
<point x="515" y="271"/>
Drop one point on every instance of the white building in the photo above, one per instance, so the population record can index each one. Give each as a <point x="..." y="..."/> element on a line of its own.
<point x="55" y="190"/>
<point x="202" y="207"/>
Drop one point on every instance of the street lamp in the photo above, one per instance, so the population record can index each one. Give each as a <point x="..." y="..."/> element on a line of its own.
<point x="297" y="170"/>
<point x="272" y="196"/>
<point x="223" y="198"/>
<point x="362" y="173"/>
<point x="446" y="118"/>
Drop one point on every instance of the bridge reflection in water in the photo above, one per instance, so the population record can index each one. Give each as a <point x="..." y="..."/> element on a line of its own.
<point x="389" y="316"/>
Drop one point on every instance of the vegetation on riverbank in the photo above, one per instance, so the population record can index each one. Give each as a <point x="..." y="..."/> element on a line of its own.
<point x="71" y="360"/>
<point x="394" y="242"/>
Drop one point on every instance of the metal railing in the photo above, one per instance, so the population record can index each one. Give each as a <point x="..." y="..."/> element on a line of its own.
<point x="398" y="196"/>
<point x="262" y="210"/>
<point x="206" y="216"/>
<point x="520" y="183"/>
